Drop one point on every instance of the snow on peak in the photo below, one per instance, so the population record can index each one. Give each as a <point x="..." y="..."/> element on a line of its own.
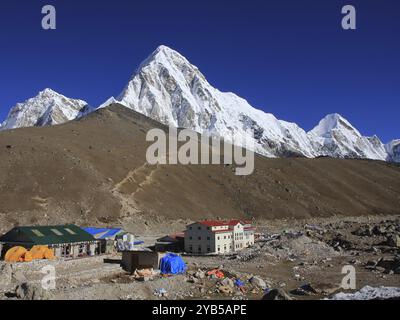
<point x="337" y="137"/>
<point x="171" y="90"/>
<point x="47" y="108"/>
<point x="332" y="122"/>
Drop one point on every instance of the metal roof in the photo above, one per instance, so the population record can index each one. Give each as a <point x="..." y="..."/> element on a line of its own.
<point x="46" y="235"/>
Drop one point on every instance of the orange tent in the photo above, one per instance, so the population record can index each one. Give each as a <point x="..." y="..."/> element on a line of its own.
<point x="42" y="252"/>
<point x="18" y="254"/>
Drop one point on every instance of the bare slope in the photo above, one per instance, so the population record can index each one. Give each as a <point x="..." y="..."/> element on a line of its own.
<point x="93" y="171"/>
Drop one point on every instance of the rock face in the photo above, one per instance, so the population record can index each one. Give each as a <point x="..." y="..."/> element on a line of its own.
<point x="47" y="108"/>
<point x="393" y="150"/>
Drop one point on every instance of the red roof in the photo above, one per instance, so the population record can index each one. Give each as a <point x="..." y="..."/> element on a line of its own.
<point x="221" y="223"/>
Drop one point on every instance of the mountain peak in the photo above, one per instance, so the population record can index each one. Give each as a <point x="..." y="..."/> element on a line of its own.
<point x="165" y="56"/>
<point x="47" y="108"/>
<point x="333" y="121"/>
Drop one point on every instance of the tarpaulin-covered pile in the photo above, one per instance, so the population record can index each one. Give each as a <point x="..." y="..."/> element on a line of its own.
<point x="172" y="264"/>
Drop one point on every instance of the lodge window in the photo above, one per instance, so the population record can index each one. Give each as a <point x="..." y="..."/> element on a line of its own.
<point x="37" y="233"/>
<point x="70" y="231"/>
<point x="57" y="232"/>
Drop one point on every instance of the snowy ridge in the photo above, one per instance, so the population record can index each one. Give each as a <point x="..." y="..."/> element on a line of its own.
<point x="334" y="136"/>
<point x="47" y="108"/>
<point x="168" y="88"/>
<point x="370" y="293"/>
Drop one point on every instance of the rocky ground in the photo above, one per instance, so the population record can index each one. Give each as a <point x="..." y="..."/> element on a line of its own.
<point x="294" y="259"/>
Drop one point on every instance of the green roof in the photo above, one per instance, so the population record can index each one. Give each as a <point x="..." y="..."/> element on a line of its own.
<point x="46" y="235"/>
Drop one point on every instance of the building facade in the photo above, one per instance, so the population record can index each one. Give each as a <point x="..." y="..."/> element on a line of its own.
<point x="66" y="241"/>
<point x="221" y="237"/>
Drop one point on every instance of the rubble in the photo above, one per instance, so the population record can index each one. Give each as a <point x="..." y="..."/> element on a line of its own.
<point x="257" y="281"/>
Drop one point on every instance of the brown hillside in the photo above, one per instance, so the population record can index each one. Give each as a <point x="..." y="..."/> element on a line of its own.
<point x="93" y="171"/>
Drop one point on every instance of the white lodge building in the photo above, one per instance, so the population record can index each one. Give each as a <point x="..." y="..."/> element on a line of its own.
<point x="206" y="237"/>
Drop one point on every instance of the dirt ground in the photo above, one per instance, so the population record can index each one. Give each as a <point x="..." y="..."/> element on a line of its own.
<point x="301" y="258"/>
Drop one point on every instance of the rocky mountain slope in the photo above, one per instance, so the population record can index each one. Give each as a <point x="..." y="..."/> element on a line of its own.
<point x="94" y="171"/>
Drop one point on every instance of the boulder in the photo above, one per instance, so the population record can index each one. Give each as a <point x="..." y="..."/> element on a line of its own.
<point x="393" y="241"/>
<point x="18" y="277"/>
<point x="29" y="291"/>
<point x="276" y="294"/>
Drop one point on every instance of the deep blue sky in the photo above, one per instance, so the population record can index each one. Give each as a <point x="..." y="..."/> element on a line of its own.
<point x="290" y="58"/>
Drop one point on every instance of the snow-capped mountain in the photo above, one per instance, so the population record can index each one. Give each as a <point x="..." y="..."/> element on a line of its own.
<point x="168" y="88"/>
<point x="47" y="108"/>
<point x="334" y="136"/>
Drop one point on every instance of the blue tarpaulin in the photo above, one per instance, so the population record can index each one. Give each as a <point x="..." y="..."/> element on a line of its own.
<point x="103" y="233"/>
<point x="172" y="264"/>
<point x="239" y="283"/>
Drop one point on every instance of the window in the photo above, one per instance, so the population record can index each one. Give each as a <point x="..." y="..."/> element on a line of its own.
<point x="199" y="238"/>
<point x="190" y="228"/>
<point x="208" y="249"/>
<point x="218" y="238"/>
<point x="225" y="237"/>
<point x="191" y="238"/>
<point x="37" y="233"/>
<point x="208" y="238"/>
<point x="199" y="228"/>
<point x="199" y="249"/>
<point x="219" y="248"/>
<point x="69" y="231"/>
<point x="57" y="232"/>
<point x="190" y="248"/>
